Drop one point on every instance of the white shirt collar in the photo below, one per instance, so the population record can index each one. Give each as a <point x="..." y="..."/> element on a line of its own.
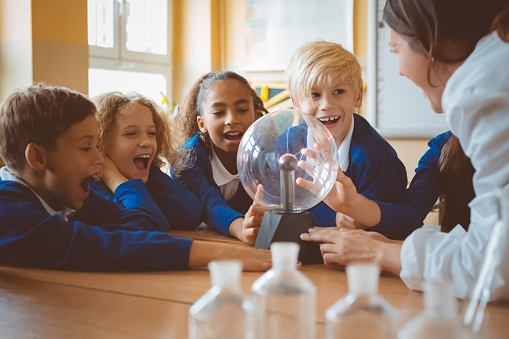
<point x="228" y="183"/>
<point x="6" y="175"/>
<point x="344" y="149"/>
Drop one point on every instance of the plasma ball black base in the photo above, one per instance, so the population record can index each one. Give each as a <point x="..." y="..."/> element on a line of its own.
<point x="284" y="226"/>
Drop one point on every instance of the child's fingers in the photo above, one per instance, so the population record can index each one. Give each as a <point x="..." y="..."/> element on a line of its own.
<point x="259" y="193"/>
<point x="314" y="155"/>
<point x="307" y="185"/>
<point x="310" y="169"/>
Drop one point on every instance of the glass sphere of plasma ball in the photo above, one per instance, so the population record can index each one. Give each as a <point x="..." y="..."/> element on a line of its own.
<point x="269" y="151"/>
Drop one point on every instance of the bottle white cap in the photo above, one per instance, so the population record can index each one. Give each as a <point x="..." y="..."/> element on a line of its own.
<point x="439" y="300"/>
<point x="225" y="273"/>
<point x="363" y="278"/>
<point x="284" y="254"/>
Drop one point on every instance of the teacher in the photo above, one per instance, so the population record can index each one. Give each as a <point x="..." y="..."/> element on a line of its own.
<point x="457" y="52"/>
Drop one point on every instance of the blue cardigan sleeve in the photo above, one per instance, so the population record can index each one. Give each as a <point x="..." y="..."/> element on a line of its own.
<point x="407" y="214"/>
<point x="182" y="208"/>
<point x="199" y="180"/>
<point x="116" y="240"/>
<point x="133" y="194"/>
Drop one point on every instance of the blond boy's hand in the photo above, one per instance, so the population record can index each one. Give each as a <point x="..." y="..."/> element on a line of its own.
<point x="343" y="197"/>
<point x="342" y="194"/>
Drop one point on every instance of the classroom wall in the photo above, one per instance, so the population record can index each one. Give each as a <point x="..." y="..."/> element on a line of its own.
<point x="47" y="41"/>
<point x="43" y="41"/>
<point x="15" y="45"/>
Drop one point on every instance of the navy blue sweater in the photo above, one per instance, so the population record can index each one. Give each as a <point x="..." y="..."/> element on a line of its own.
<point x="182" y="208"/>
<point x="374" y="168"/>
<point x="408" y="213"/>
<point x="101" y="235"/>
<point x="199" y="179"/>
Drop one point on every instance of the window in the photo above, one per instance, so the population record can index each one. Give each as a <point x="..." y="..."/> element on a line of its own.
<point x="129" y="47"/>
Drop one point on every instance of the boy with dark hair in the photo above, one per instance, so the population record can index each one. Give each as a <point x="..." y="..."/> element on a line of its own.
<point x="50" y="218"/>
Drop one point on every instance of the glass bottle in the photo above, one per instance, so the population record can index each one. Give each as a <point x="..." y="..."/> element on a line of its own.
<point x="286" y="298"/>
<point x="439" y="319"/>
<point x="225" y="311"/>
<point x="362" y="313"/>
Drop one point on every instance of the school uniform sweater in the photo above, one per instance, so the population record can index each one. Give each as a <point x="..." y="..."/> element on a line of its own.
<point x="199" y="179"/>
<point x="406" y="215"/>
<point x="101" y="235"/>
<point x="182" y="209"/>
<point x="374" y="168"/>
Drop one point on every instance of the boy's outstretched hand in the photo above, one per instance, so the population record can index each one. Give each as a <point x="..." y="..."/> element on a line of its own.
<point x="342" y="194"/>
<point x="343" y="197"/>
<point x="202" y="252"/>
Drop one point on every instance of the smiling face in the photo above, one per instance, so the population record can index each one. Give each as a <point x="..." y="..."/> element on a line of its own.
<point x="333" y="104"/>
<point x="413" y="65"/>
<point x="71" y="166"/>
<point x="132" y="143"/>
<point x="227" y="112"/>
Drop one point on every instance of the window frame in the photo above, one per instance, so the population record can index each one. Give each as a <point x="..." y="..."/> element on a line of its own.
<point x="121" y="59"/>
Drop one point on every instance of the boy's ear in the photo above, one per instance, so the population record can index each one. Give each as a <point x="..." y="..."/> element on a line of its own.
<point x="35" y="156"/>
<point x="358" y="100"/>
<point x="201" y="124"/>
<point x="294" y="103"/>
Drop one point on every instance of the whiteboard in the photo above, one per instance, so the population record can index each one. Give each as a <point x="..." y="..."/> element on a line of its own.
<point x="277" y="28"/>
<point x="396" y="107"/>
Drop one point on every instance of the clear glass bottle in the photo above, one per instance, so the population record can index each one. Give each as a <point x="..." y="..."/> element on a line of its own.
<point x="286" y="298"/>
<point x="362" y="313"/>
<point x="225" y="311"/>
<point x="439" y="319"/>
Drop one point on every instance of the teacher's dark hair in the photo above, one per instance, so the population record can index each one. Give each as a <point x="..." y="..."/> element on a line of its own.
<point x="446" y="30"/>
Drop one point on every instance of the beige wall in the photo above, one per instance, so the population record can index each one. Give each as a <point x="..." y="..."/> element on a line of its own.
<point x="43" y="41"/>
<point x="192" y="44"/>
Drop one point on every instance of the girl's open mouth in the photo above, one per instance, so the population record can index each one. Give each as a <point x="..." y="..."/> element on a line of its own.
<point x="233" y="135"/>
<point x="141" y="162"/>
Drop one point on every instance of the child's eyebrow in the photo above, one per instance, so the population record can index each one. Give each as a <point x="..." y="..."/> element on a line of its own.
<point x="241" y="101"/>
<point x="90" y="136"/>
<point x="136" y="126"/>
<point x="222" y="104"/>
<point x="218" y="104"/>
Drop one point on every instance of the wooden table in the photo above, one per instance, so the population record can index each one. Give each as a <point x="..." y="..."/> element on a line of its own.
<point x="37" y="303"/>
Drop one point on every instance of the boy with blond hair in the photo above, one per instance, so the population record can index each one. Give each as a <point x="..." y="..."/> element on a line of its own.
<point x="50" y="218"/>
<point x="325" y="80"/>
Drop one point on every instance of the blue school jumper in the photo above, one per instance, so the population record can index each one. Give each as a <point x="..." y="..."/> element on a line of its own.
<point x="101" y="235"/>
<point x="182" y="209"/>
<point x="199" y="179"/>
<point x="406" y="215"/>
<point x="374" y="168"/>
